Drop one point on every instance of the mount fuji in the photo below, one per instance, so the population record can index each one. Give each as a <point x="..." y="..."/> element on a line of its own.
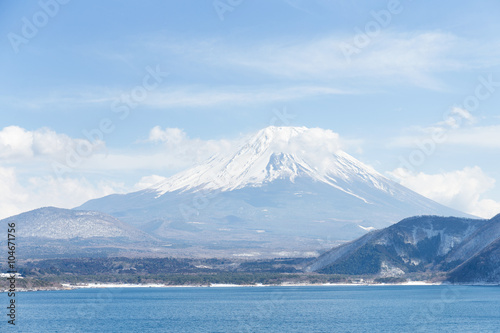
<point x="285" y="191"/>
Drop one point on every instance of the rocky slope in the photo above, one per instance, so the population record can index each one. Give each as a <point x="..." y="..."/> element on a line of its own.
<point x="467" y="248"/>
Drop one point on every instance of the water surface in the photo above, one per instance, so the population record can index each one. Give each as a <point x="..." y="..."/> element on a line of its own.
<point x="267" y="309"/>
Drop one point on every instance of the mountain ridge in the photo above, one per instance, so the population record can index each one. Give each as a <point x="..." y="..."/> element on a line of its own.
<point x="467" y="250"/>
<point x="51" y="231"/>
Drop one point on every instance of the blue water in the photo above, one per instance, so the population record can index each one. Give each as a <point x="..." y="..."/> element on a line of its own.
<point x="271" y="309"/>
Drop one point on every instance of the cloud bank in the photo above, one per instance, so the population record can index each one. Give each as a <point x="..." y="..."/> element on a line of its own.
<point x="461" y="189"/>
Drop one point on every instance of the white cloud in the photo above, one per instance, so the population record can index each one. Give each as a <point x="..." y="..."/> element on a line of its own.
<point x="287" y="68"/>
<point x="12" y="194"/>
<point x="311" y="140"/>
<point x="174" y="150"/>
<point x="22" y="149"/>
<point x="19" y="143"/>
<point x="390" y="57"/>
<point x="15" y="142"/>
<point x="204" y="96"/>
<point x="189" y="96"/>
<point x="462" y="189"/>
<point x="457" y="118"/>
<point x="169" y="135"/>
<point x="459" y="127"/>
<point x="45" y="150"/>
<point x="316" y="143"/>
<point x="148" y="181"/>
<point x="178" y="146"/>
<point x="36" y="192"/>
<point x="479" y="136"/>
<point x="411" y="58"/>
<point x="169" y="150"/>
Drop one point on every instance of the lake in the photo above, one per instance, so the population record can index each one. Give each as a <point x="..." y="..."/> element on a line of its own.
<point x="264" y="309"/>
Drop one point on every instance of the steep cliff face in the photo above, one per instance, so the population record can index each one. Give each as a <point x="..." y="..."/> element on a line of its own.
<point x="421" y="244"/>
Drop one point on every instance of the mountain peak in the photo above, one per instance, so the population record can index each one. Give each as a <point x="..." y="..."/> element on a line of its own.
<point x="284" y="133"/>
<point x="275" y="139"/>
<point x="278" y="153"/>
<point x="293" y="140"/>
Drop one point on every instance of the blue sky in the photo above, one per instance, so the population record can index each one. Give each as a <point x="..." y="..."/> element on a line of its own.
<point x="387" y="76"/>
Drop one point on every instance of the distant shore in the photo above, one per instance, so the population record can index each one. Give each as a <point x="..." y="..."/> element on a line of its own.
<point x="117" y="285"/>
<point x="66" y="286"/>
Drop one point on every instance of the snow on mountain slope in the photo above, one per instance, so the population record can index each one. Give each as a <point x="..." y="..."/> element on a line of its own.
<point x="415" y="244"/>
<point x="51" y="232"/>
<point x="279" y="153"/>
<point x="56" y="223"/>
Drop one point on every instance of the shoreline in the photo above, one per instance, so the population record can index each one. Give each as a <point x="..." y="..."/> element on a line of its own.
<point x="128" y="286"/>
<point x="68" y="287"/>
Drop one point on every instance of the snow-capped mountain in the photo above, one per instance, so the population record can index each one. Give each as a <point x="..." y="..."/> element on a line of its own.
<point x="278" y="153"/>
<point x="284" y="188"/>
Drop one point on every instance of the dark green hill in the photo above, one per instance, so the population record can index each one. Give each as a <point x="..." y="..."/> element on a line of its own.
<point x="467" y="248"/>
